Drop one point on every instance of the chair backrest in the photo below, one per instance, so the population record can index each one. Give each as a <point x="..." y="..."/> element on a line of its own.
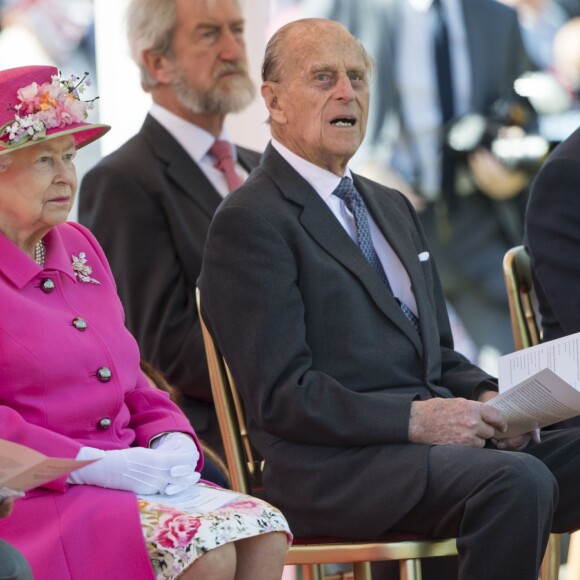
<point x="243" y="462"/>
<point x="522" y="298"/>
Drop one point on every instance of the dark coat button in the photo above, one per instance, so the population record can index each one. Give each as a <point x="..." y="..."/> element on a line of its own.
<point x="80" y="323"/>
<point x="104" y="423"/>
<point x="47" y="285"/>
<point x="104" y="374"/>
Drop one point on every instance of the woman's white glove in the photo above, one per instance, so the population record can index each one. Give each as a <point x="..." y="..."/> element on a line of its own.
<point x="178" y="442"/>
<point x="137" y="469"/>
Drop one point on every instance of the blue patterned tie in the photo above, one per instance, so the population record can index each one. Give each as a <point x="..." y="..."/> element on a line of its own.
<point x="353" y="201"/>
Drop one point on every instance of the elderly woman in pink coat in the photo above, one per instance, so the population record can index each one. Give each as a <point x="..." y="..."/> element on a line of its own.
<point x="70" y="384"/>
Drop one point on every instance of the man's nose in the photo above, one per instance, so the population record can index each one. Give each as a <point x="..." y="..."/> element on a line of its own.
<point x="344" y="88"/>
<point x="232" y="46"/>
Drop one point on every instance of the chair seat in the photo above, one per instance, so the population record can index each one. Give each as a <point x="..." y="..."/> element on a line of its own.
<point x="391" y="536"/>
<point x="390" y="547"/>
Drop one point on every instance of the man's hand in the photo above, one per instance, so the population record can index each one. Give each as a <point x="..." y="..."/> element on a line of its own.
<point x="494" y="179"/>
<point x="516" y="443"/>
<point x="453" y="422"/>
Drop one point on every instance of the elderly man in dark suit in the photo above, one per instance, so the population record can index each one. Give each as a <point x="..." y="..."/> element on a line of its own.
<point x="150" y="203"/>
<point x="319" y="289"/>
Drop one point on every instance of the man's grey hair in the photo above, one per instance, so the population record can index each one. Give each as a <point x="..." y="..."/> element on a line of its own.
<point x="275" y="51"/>
<point x="151" y="26"/>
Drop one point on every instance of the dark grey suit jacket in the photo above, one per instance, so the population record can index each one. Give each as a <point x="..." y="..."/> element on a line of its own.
<point x="325" y="360"/>
<point x="553" y="239"/>
<point x="150" y="206"/>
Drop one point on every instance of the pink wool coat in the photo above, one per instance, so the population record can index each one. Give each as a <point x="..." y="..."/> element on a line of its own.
<point x="54" y="399"/>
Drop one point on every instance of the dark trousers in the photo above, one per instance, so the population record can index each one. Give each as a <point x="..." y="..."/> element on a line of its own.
<point x="500" y="505"/>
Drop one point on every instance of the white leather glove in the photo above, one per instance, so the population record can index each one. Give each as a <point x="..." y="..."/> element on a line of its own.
<point x="137" y="469"/>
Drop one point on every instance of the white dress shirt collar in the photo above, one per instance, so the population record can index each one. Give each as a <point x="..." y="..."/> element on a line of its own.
<point x="323" y="182"/>
<point x="195" y="140"/>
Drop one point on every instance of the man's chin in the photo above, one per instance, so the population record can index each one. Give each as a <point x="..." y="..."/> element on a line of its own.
<point x="233" y="98"/>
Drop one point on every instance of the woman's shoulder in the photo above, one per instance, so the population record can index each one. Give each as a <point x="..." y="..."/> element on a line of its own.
<point x="74" y="231"/>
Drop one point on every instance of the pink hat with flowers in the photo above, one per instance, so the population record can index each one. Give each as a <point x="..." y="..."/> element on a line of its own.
<point x="36" y="104"/>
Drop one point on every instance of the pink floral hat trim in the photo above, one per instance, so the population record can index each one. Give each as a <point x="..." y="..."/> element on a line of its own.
<point x="36" y="104"/>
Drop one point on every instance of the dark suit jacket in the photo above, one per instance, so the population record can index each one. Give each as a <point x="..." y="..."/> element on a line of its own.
<point x="325" y="360"/>
<point x="553" y="239"/>
<point x="150" y="206"/>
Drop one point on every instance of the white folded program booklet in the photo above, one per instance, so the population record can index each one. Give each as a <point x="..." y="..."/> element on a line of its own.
<point x="539" y="385"/>
<point x="199" y="498"/>
<point x="22" y="468"/>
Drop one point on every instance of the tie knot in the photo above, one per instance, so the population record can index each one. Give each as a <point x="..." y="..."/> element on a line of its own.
<point x="221" y="150"/>
<point x="347" y="192"/>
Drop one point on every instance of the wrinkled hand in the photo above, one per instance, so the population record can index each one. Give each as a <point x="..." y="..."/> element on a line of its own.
<point x="516" y="443"/>
<point x="493" y="178"/>
<point x="140" y="470"/>
<point x="6" y="507"/>
<point x="453" y="422"/>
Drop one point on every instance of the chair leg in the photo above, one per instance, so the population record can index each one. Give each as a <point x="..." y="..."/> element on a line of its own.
<point x="410" y="569"/>
<point x="312" y="572"/>
<point x="361" y="570"/>
<point x="551" y="562"/>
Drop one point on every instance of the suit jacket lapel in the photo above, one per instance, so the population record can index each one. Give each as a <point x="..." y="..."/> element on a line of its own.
<point x="323" y="227"/>
<point x="181" y="168"/>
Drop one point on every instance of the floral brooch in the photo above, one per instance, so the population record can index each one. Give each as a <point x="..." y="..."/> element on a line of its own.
<point x="82" y="270"/>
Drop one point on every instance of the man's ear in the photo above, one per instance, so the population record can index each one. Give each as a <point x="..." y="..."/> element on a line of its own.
<point x="270" y="96"/>
<point x="158" y="66"/>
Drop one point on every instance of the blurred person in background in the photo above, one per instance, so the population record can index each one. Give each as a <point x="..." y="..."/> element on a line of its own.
<point x="539" y="20"/>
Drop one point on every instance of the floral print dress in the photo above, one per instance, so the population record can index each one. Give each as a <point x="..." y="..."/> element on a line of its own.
<point x="175" y="539"/>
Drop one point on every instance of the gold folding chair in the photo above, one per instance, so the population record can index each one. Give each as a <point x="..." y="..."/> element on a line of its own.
<point x="517" y="272"/>
<point x="245" y="470"/>
<point x="522" y="300"/>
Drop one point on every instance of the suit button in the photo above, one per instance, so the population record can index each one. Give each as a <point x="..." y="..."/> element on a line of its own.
<point x="104" y="423"/>
<point x="80" y="323"/>
<point x="104" y="374"/>
<point x="47" y="285"/>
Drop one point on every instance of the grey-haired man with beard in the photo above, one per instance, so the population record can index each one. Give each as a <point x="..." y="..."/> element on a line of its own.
<point x="150" y="202"/>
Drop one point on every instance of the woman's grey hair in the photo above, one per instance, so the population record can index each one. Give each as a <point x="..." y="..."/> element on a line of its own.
<point x="151" y="26"/>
